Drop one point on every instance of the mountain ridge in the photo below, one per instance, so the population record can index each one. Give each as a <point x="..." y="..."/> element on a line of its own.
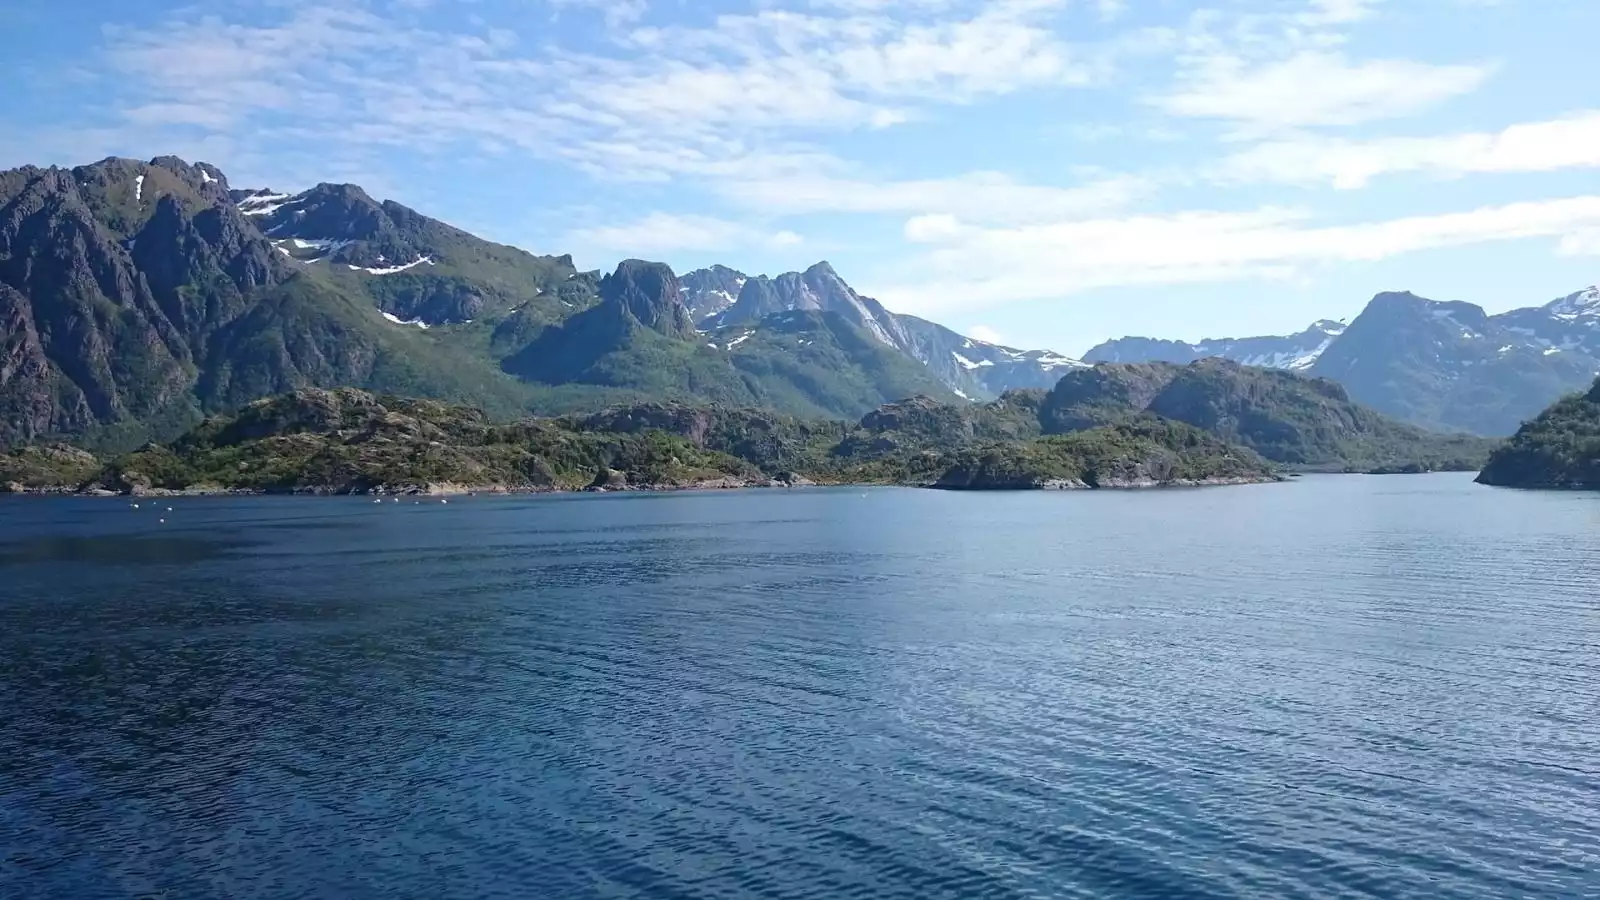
<point x="1445" y="365"/>
<point x="971" y="369"/>
<point x="138" y="297"/>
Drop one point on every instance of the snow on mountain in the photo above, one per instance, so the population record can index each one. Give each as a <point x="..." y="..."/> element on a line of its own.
<point x="1296" y="352"/>
<point x="708" y="292"/>
<point x="1584" y="304"/>
<point x="263" y="202"/>
<point x="969" y="367"/>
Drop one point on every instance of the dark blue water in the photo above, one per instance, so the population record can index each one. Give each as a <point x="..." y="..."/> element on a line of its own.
<point x="1338" y="687"/>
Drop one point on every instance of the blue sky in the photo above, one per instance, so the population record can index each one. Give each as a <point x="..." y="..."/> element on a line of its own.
<point x="1044" y="172"/>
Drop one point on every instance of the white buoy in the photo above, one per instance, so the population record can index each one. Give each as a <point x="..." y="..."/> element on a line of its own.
<point x="169" y="509"/>
<point x="134" y="505"/>
<point x="161" y="521"/>
<point x="444" y="501"/>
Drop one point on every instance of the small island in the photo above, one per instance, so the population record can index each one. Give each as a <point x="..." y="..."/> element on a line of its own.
<point x="1558" y="450"/>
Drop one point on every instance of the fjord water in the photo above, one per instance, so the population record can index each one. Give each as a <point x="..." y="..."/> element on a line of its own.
<point x="1333" y="687"/>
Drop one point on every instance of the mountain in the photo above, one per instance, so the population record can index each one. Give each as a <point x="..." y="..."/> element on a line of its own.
<point x="1286" y="417"/>
<point x="707" y="292"/>
<point x="1296" y="352"/>
<point x="431" y="273"/>
<point x="1559" y="448"/>
<point x="1440" y="365"/>
<point x="722" y="298"/>
<point x="1450" y="365"/>
<point x="138" y="297"/>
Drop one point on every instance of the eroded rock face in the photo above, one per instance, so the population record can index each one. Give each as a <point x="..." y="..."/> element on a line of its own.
<point x="650" y="293"/>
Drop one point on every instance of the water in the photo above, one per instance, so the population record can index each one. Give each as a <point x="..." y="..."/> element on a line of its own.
<point x="1337" y="687"/>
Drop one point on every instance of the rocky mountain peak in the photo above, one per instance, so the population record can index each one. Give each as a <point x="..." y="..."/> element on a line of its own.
<point x="708" y="292"/>
<point x="1582" y="304"/>
<point x="650" y="292"/>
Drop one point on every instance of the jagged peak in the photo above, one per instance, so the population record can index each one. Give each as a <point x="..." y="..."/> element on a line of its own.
<point x="1584" y="303"/>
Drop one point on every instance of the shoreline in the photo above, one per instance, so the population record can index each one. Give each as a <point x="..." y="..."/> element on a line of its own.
<point x="447" y="491"/>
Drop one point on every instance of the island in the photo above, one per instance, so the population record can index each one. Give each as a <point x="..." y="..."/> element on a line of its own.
<point x="1558" y="450"/>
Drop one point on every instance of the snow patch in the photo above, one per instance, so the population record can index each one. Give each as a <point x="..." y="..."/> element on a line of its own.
<point x="264" y="204"/>
<point x="138" y="189"/>
<point x="205" y="177"/>
<point x="390" y="270"/>
<point x="739" y="340"/>
<point x="1049" y="362"/>
<point x="968" y="364"/>
<point x="284" y="250"/>
<point x="399" y="321"/>
<point x="1584" y="304"/>
<point x="330" y="246"/>
<point x="1552" y="350"/>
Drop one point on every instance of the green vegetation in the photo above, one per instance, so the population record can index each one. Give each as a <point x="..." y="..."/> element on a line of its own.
<point x="349" y="441"/>
<point x="1145" y="451"/>
<point x="1307" y="423"/>
<point x="1559" y="449"/>
<point x="52" y="467"/>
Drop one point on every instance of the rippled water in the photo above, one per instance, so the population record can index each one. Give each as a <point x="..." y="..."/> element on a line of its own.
<point x="1337" y="687"/>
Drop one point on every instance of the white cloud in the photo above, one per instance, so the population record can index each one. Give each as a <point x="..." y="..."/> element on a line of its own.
<point x="651" y="103"/>
<point x="1570" y="142"/>
<point x="986" y="334"/>
<point x="976" y="196"/>
<point x="615" y="12"/>
<point x="661" y="232"/>
<point x="970" y="266"/>
<point x="1315" y="88"/>
<point x="1580" y="243"/>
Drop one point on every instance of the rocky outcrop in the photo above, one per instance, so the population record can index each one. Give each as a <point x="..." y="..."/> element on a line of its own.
<point x="649" y="293"/>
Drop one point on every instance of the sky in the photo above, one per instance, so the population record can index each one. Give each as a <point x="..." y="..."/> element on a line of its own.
<point x="1044" y="173"/>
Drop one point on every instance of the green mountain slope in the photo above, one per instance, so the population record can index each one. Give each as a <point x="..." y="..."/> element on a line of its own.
<point x="138" y="297"/>
<point x="1559" y="449"/>
<point x="1286" y="417"/>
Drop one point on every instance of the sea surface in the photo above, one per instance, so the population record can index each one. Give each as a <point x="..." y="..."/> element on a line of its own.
<point x="1333" y="687"/>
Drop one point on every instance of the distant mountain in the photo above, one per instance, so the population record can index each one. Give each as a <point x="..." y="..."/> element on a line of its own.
<point x="1286" y="417"/>
<point x="1441" y="365"/>
<point x="1296" y="352"/>
<point x="1559" y="449"/>
<point x="707" y="292"/>
<point x="972" y="369"/>
<point x="1450" y="365"/>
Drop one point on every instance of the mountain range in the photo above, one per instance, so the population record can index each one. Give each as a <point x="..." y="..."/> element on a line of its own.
<point x="1441" y="365"/>
<point x="138" y="297"/>
<point x="733" y="305"/>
